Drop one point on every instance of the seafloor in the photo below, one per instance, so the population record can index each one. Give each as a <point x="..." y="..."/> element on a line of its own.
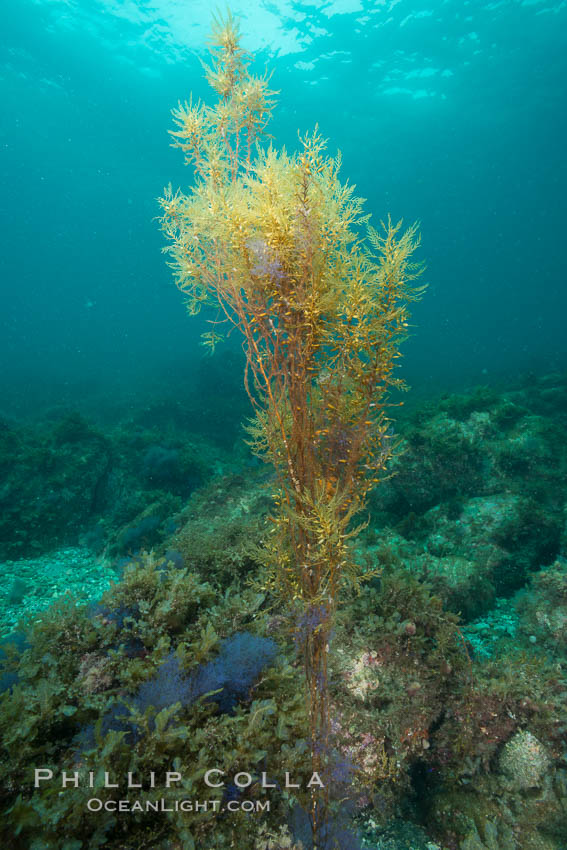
<point x="137" y="636"/>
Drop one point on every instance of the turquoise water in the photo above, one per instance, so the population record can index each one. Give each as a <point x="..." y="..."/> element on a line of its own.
<point x="139" y="631"/>
<point x="452" y="113"/>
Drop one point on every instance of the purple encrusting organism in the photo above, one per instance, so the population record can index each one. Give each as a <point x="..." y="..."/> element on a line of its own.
<point x="309" y="621"/>
<point x="265" y="264"/>
<point x="335" y="832"/>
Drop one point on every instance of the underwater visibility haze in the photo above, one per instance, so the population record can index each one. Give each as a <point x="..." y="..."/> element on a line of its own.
<point x="289" y="571"/>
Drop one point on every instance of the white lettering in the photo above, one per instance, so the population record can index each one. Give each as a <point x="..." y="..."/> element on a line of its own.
<point x="289" y="784"/>
<point x="265" y="783"/>
<point x="107" y="782"/>
<point x="41" y="774"/>
<point x="212" y="784"/>
<point x="316" y="780"/>
<point x="74" y="779"/>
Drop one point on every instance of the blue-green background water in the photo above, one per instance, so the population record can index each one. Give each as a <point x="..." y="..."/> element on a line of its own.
<point x="449" y="112"/>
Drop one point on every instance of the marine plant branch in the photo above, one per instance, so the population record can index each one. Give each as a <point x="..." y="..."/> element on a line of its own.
<point x="284" y="250"/>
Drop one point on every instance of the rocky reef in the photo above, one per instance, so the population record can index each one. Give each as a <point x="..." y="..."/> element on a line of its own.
<point x="448" y="677"/>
